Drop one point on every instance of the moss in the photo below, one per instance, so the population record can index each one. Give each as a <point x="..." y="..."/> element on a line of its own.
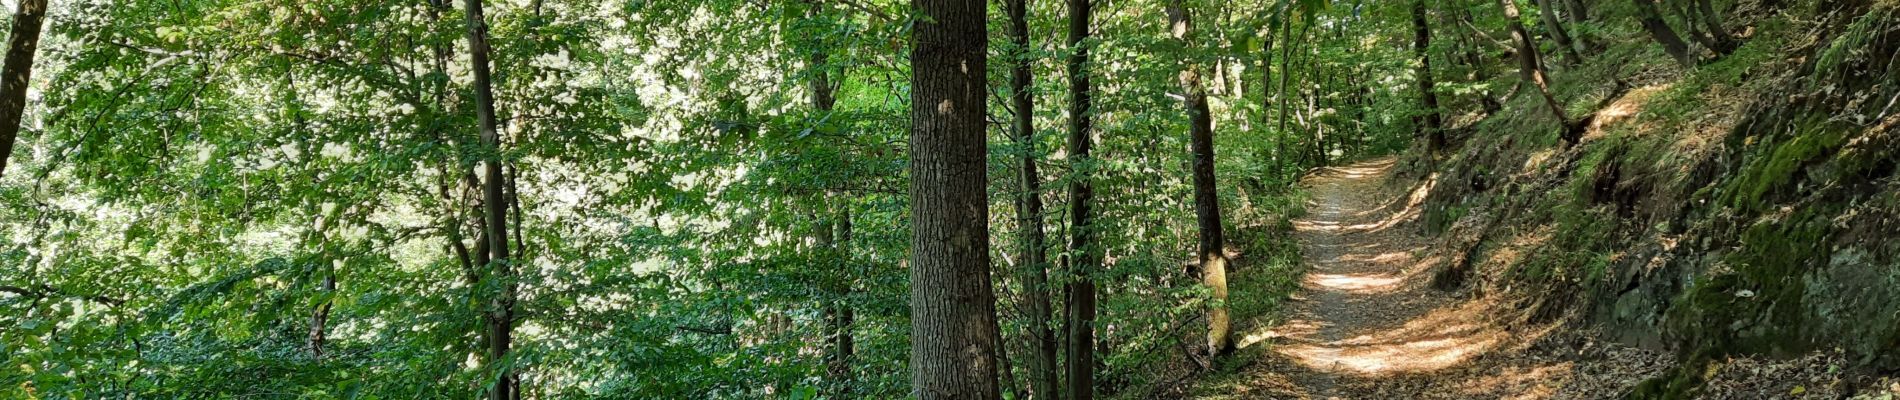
<point x="1760" y="306"/>
<point x="1773" y="170"/>
<point x="1441" y="218"/>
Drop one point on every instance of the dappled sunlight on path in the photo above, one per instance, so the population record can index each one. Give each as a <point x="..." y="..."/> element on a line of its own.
<point x="1366" y="311"/>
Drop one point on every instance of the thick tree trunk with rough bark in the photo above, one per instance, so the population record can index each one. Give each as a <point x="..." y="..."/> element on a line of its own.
<point x="1035" y="261"/>
<point x="501" y="312"/>
<point x="1651" y="17"/>
<point x="22" y="44"/>
<point x="953" y="307"/>
<point x="1427" y="93"/>
<point x="1213" y="257"/>
<point x="1081" y="257"/>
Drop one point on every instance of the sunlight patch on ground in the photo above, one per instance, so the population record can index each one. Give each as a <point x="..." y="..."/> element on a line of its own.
<point x="1409" y="356"/>
<point x="1386" y="257"/>
<point x="1382" y="217"/>
<point x="1356" y="283"/>
<point x="1622" y="109"/>
<point x="1294" y="328"/>
<point x="1439" y="339"/>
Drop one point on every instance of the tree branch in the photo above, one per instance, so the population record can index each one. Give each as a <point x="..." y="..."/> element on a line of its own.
<point x="45" y="291"/>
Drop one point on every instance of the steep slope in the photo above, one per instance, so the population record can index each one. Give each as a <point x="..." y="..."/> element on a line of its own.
<point x="1740" y="210"/>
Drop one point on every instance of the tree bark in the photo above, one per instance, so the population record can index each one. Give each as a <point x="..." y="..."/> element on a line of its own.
<point x="1081" y="257"/>
<point x="1213" y="257"/>
<point x="320" y="318"/>
<point x="1266" y="76"/>
<point x="834" y="245"/>
<point x="1266" y="87"/>
<point x="1651" y="17"/>
<point x="1035" y="275"/>
<point x="1578" y="14"/>
<point x="1473" y="57"/>
<point x="1427" y="94"/>
<point x="953" y="307"/>
<point x="1720" y="40"/>
<point x="500" y="316"/>
<point x="1286" y="78"/>
<point x="17" y="73"/>
<point x="1547" y="11"/>
<point x="1531" y="66"/>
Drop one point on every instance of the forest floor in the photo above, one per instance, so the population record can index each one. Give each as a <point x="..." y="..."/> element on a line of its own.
<point x="1367" y="323"/>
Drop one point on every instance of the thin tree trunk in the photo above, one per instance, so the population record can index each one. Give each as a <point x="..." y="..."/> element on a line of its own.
<point x="953" y="307"/>
<point x="1531" y="67"/>
<point x="1721" y="41"/>
<point x="1310" y="89"/>
<point x="1213" y="258"/>
<point x="1286" y="69"/>
<point x="1651" y="17"/>
<point x="1042" y="368"/>
<point x="1286" y="77"/>
<point x="1081" y="257"/>
<point x="1547" y="10"/>
<point x="843" y="345"/>
<point x="836" y="329"/>
<point x="17" y="73"/>
<point x="1428" y="96"/>
<point x="500" y="316"/>
<point x="1691" y="27"/>
<point x="1266" y="91"/>
<point x="1578" y="14"/>
<point x="1579" y="10"/>
<point x="837" y="311"/>
<point x="320" y="319"/>
<point x="1266" y="75"/>
<point x="1487" y="100"/>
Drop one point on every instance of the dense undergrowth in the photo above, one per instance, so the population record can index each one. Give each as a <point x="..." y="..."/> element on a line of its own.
<point x="1742" y="207"/>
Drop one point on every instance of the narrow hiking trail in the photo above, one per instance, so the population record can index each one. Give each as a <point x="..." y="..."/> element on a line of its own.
<point x="1367" y="323"/>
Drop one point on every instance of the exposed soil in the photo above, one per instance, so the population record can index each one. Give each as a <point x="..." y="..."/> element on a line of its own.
<point x="1367" y="322"/>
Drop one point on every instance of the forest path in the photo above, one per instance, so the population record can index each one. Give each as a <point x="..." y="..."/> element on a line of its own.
<point x="1366" y="313"/>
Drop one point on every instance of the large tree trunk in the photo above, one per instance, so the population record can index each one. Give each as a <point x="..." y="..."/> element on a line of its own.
<point x="1081" y="257"/>
<point x="17" y="73"/>
<point x="1213" y="257"/>
<point x="1547" y="10"/>
<point x="1035" y="274"/>
<point x="1427" y="94"/>
<point x="1651" y="17"/>
<point x="1532" y="68"/>
<point x="501" y="313"/>
<point x="953" y="309"/>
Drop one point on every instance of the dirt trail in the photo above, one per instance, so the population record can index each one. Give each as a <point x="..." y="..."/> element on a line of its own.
<point x="1366" y="322"/>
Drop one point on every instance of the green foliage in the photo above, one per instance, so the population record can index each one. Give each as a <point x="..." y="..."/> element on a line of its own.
<point x="206" y="184"/>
